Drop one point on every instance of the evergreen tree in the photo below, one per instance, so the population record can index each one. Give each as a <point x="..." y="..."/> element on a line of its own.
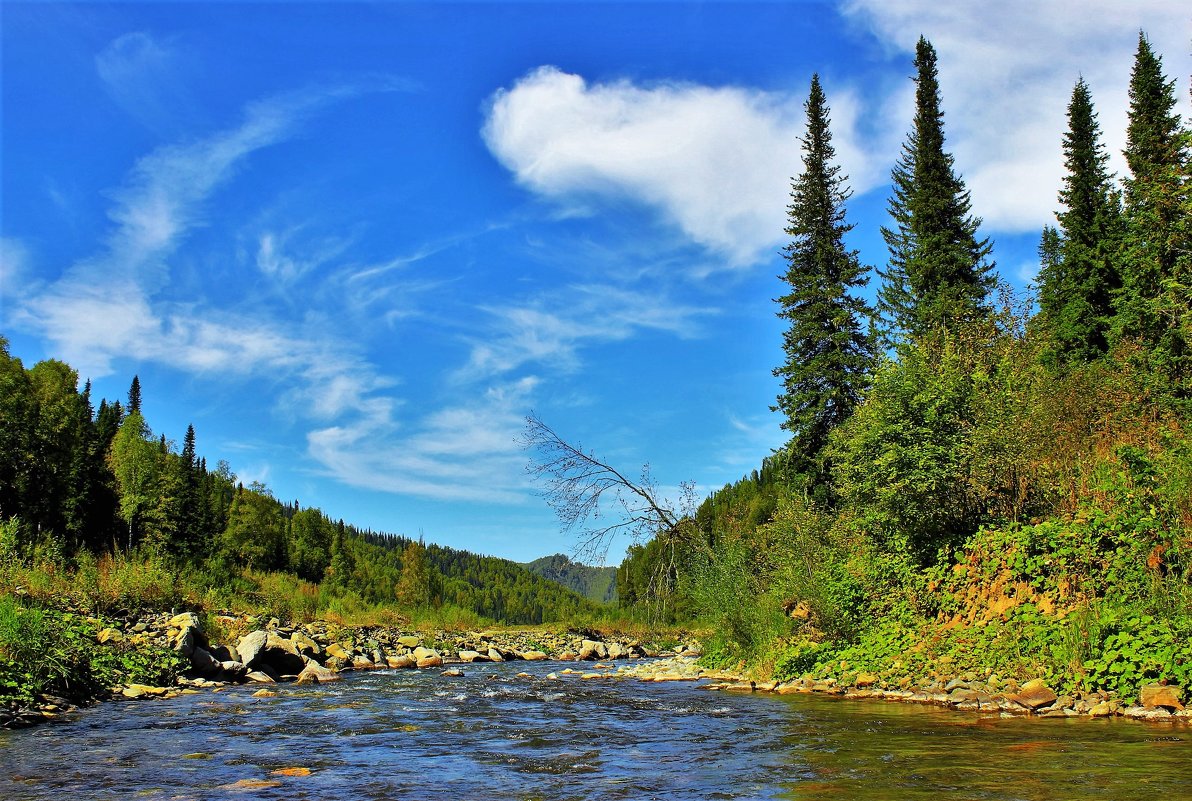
<point x="190" y="529"/>
<point x="134" y="396"/>
<point x="1077" y="290"/>
<point x="1157" y="154"/>
<point x="828" y="351"/>
<point x="938" y="271"/>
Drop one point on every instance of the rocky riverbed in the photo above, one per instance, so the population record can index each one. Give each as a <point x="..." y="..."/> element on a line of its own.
<point x="246" y="650"/>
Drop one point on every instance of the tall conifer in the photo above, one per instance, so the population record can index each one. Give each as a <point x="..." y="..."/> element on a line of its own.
<point x="1157" y="154"/>
<point x="1077" y="293"/>
<point x="829" y="352"/>
<point x="938" y="271"/>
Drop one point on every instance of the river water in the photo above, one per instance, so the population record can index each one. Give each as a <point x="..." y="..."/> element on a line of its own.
<point x="490" y="734"/>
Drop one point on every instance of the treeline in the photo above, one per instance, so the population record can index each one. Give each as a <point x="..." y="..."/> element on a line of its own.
<point x="956" y="431"/>
<point x="79" y="482"/>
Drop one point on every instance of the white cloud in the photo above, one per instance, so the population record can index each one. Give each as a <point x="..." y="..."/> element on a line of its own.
<point x="714" y="161"/>
<point x="1006" y="73"/>
<point x="550" y="331"/>
<point x="466" y="452"/>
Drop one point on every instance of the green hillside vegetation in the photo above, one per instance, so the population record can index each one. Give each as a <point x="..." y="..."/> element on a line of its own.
<point x="1009" y="490"/>
<point x="597" y="584"/>
<point x="101" y="514"/>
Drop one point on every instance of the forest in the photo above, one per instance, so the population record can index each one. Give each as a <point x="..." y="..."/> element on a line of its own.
<point x="101" y="512"/>
<point x="975" y="480"/>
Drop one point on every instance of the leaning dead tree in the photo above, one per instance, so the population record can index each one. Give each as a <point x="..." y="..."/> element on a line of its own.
<point x="595" y="502"/>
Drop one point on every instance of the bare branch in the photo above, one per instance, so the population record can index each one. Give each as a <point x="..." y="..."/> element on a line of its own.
<point x="584" y="491"/>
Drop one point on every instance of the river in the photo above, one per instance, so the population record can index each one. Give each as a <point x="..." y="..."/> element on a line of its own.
<point x="490" y="734"/>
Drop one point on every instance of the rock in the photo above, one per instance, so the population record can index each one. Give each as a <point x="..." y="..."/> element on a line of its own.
<point x="336" y="651"/>
<point x="186" y="620"/>
<point x="534" y="656"/>
<point x="472" y="656"/>
<point x="1102" y="710"/>
<point x="305" y="645"/>
<point x="1153" y="696"/>
<point x="553" y="676"/>
<point x="233" y="671"/>
<point x="452" y="672"/>
<point x="409" y="641"/>
<point x="421" y="653"/>
<point x="590" y="649"/>
<point x="401" y="662"/>
<point x="314" y="673"/>
<point x="109" y="635"/>
<point x="568" y="656"/>
<point x="1034" y="695"/>
<point x="204" y="663"/>
<point x="250" y="645"/>
<point x="616" y="651"/>
<point x="259" y="677"/>
<point x="225" y="653"/>
<point x="865" y="680"/>
<point x="495" y="656"/>
<point x="430" y="661"/>
<point x="142" y="690"/>
<point x="264" y="694"/>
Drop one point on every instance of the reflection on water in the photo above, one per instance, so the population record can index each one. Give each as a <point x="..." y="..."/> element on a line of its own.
<point x="388" y="735"/>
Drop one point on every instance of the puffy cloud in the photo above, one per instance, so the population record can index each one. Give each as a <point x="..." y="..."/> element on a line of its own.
<point x="714" y="161"/>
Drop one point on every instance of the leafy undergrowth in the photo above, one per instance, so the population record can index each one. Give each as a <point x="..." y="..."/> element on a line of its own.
<point x="44" y="651"/>
<point x="1078" y="603"/>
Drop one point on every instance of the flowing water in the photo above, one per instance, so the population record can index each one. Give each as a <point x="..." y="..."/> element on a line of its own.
<point x="489" y="734"/>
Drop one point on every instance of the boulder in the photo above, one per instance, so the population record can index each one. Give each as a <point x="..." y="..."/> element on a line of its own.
<point x="250" y="645"/>
<point x="590" y="649"/>
<point x="534" y="656"/>
<point x="225" y="653"/>
<point x="401" y="662"/>
<point x="495" y="656"/>
<point x="452" y="672"/>
<point x="616" y="651"/>
<point x="186" y="620"/>
<point x="305" y="645"/>
<point x="1034" y="695"/>
<point x="314" y="673"/>
<point x="421" y="653"/>
<point x="430" y="661"/>
<point x="337" y="651"/>
<point x="204" y="663"/>
<point x="233" y="671"/>
<point x="267" y="648"/>
<point x="1153" y="696"/>
<point x="409" y="641"/>
<point x="472" y="656"/>
<point x="259" y="677"/>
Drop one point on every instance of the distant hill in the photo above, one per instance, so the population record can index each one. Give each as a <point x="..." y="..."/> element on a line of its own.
<point x="597" y="584"/>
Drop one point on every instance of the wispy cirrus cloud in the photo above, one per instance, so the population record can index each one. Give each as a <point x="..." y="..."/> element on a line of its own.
<point x="550" y="331"/>
<point x="713" y="161"/>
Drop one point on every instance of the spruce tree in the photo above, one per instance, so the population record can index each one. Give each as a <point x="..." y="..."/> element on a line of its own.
<point x="134" y="396"/>
<point x="938" y="273"/>
<point x="829" y="352"/>
<point x="1157" y="155"/>
<point x="1077" y="292"/>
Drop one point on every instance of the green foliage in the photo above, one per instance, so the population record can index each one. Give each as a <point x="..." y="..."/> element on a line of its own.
<point x="42" y="651"/>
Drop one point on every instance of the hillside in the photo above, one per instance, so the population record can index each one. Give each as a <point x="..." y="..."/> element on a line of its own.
<point x="598" y="584"/>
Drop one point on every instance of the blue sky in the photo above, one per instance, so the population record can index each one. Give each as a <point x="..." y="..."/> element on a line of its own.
<point x="354" y="244"/>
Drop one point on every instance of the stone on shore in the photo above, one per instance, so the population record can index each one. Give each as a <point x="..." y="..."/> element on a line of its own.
<point x="314" y="673"/>
<point x="534" y="656"/>
<point x="1034" y="695"/>
<point x="472" y="656"/>
<point x="1153" y="696"/>
<point x="401" y="662"/>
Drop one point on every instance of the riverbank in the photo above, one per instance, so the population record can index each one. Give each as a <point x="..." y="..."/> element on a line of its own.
<point x="966" y="693"/>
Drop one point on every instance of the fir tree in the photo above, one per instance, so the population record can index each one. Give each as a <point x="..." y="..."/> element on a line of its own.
<point x="828" y="350"/>
<point x="1157" y="155"/>
<point x="938" y="271"/>
<point x="134" y="396"/>
<point x="1076" y="293"/>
